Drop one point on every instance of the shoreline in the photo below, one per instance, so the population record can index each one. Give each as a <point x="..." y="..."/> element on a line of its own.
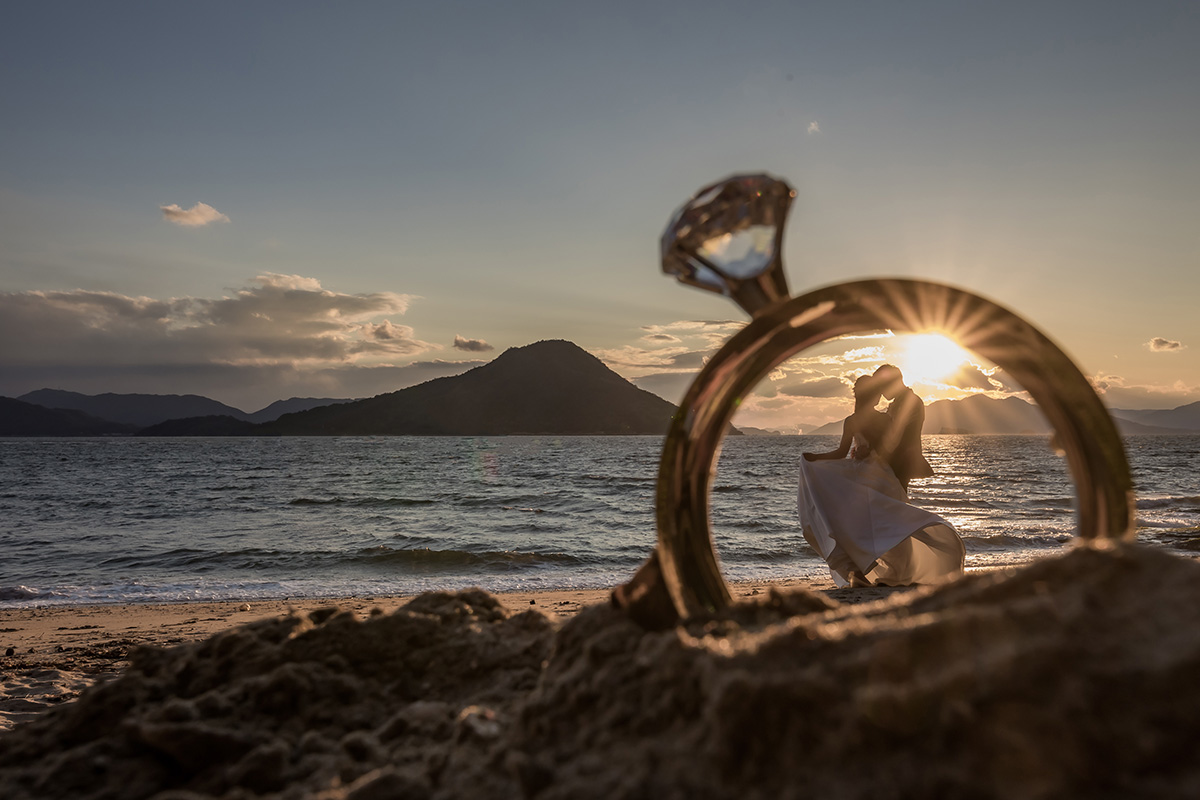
<point x="50" y="654"/>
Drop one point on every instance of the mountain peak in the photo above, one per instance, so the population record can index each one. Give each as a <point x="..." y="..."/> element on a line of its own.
<point x="140" y="410"/>
<point x="552" y="387"/>
<point x="559" y="351"/>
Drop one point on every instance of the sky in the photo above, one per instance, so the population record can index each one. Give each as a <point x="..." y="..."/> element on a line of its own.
<point x="255" y="201"/>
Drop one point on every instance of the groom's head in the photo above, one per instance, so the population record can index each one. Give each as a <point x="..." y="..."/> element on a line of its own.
<point x="891" y="380"/>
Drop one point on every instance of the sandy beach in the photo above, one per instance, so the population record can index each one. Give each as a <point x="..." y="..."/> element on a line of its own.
<point x="1071" y="676"/>
<point x="51" y="654"/>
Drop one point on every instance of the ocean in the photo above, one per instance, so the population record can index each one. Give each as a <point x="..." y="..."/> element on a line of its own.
<point x="121" y="520"/>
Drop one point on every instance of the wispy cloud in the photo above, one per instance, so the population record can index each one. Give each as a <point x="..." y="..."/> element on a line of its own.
<point x="714" y="331"/>
<point x="970" y="376"/>
<point x="818" y="387"/>
<point x="197" y="216"/>
<point x="667" y="357"/>
<point x="813" y="127"/>
<point x="632" y="358"/>
<point x="670" y="386"/>
<point x="682" y="346"/>
<point x="471" y="345"/>
<point x="1160" y="345"/>
<point x="388" y="338"/>
<point x="280" y="324"/>
<point x="1118" y="392"/>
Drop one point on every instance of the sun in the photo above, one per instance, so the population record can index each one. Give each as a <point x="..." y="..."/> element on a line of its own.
<point x="928" y="357"/>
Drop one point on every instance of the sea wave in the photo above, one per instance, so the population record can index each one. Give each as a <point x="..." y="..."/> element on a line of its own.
<point x="933" y="502"/>
<point x="365" y="502"/>
<point x="1150" y="503"/>
<point x="8" y="593"/>
<point x="723" y="488"/>
<point x="428" y="557"/>
<point x="619" y="479"/>
<point x="1004" y="541"/>
<point x="168" y="521"/>
<point x="266" y="558"/>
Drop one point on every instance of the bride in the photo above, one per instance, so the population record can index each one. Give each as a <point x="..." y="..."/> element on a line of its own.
<point x="855" y="512"/>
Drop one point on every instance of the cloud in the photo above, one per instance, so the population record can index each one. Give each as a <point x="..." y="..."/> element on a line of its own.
<point x="1118" y="392"/>
<point x="670" y="386"/>
<point x="388" y="337"/>
<point x="471" y="345"/>
<point x="805" y="391"/>
<point x="197" y="216"/>
<point x="1160" y="345"/>
<point x="1003" y="382"/>
<point x="859" y="355"/>
<point x="819" y="387"/>
<point x="970" y="376"/>
<point x="680" y="345"/>
<point x="387" y="331"/>
<point x="792" y="413"/>
<point x="634" y="358"/>
<point x="827" y="355"/>
<point x="711" y="332"/>
<point x="814" y="127"/>
<point x="775" y="403"/>
<point x="691" y="360"/>
<point x="281" y="324"/>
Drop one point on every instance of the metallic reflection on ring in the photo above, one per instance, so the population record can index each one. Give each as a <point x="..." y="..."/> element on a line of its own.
<point x="781" y="328"/>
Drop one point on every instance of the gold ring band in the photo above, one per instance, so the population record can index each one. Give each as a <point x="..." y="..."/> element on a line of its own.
<point x="1083" y="428"/>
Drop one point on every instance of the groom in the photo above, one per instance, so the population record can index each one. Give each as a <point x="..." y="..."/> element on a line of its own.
<point x="901" y="445"/>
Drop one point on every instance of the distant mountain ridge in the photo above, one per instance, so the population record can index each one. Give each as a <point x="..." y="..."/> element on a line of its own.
<point x="1186" y="417"/>
<point x="145" y="410"/>
<point x="139" y="410"/>
<point x="293" y="405"/>
<point x="215" y="425"/>
<point x="18" y="418"/>
<point x="550" y="387"/>
<point x="747" y="430"/>
<point x="980" y="414"/>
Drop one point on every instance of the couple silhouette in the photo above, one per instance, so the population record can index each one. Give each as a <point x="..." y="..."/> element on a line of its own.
<point x="855" y="512"/>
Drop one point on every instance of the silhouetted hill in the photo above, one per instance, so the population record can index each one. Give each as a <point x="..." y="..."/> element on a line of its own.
<point x="139" y="410"/>
<point x="550" y="387"/>
<point x="293" y="405"/>
<point x="1129" y="428"/>
<point x="217" y="425"/>
<point x="18" y="418"/>
<point x="980" y="414"/>
<point x="1185" y="417"/>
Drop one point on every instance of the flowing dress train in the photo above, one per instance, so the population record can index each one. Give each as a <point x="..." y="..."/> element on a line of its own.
<point x="856" y="515"/>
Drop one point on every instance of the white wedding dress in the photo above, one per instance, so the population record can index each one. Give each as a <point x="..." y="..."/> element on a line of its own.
<point x="857" y="516"/>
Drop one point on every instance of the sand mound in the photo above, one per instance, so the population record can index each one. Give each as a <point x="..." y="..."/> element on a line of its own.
<point x="1075" y="676"/>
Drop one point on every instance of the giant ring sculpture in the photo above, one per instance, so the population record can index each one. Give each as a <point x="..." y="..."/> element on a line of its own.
<point x="728" y="239"/>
